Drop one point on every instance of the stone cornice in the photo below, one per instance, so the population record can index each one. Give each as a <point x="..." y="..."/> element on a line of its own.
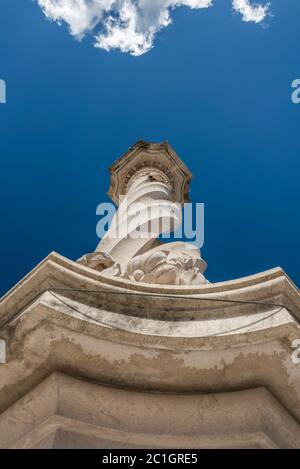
<point x="56" y="271"/>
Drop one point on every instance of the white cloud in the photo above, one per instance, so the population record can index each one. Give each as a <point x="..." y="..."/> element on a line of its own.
<point x="132" y="28"/>
<point x="251" y="11"/>
<point x="81" y="15"/>
<point x="130" y="25"/>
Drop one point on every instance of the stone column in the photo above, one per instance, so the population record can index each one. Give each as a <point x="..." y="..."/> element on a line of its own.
<point x="149" y="184"/>
<point x="145" y="212"/>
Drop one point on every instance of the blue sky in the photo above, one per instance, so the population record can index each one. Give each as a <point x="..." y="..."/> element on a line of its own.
<point x="216" y="87"/>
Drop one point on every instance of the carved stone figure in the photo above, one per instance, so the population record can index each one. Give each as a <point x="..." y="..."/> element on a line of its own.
<point x="166" y="267"/>
<point x="97" y="260"/>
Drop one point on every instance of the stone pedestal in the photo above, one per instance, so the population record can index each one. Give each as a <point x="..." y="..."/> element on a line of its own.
<point x="95" y="360"/>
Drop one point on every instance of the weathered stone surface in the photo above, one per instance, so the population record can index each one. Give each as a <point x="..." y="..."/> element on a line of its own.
<point x="63" y="417"/>
<point x="158" y="341"/>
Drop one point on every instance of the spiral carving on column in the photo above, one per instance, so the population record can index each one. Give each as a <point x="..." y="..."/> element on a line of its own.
<point x="131" y="248"/>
